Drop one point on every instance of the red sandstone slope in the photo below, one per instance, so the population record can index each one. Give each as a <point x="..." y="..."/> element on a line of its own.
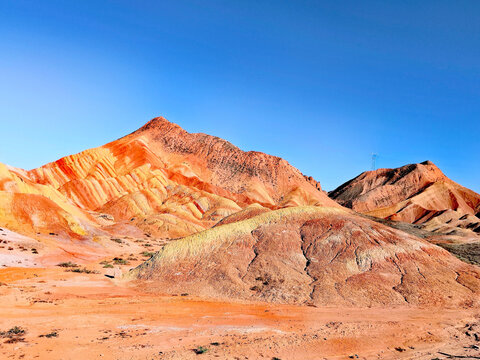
<point x="416" y="193"/>
<point x="312" y="255"/>
<point x="159" y="179"/>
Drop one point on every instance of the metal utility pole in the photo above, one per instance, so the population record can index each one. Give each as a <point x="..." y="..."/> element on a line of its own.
<point x="374" y="159"/>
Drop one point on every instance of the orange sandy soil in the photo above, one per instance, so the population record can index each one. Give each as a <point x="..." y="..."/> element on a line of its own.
<point x="98" y="318"/>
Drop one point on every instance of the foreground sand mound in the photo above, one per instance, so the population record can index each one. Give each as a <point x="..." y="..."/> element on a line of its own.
<point x="312" y="255"/>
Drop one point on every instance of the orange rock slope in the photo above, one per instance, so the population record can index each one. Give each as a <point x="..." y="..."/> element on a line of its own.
<point x="416" y="193"/>
<point x="159" y="180"/>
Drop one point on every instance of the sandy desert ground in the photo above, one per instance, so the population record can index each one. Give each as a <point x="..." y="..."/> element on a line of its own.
<point x="67" y="315"/>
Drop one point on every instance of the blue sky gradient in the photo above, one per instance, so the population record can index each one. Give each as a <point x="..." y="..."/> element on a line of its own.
<point x="322" y="84"/>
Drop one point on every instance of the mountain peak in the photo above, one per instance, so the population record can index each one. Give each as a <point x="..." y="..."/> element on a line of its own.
<point x="429" y="166"/>
<point x="158" y="123"/>
<point x="413" y="193"/>
<point x="428" y="162"/>
<point x="426" y="169"/>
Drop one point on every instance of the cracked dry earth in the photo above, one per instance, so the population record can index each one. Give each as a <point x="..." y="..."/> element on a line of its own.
<point x="93" y="317"/>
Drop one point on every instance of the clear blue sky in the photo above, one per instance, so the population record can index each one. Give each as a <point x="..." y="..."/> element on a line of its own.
<point x="322" y="84"/>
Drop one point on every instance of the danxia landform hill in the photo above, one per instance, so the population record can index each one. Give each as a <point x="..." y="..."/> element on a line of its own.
<point x="243" y="225"/>
<point x="160" y="180"/>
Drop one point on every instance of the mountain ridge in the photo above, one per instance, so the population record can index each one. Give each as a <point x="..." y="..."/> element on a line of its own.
<point x="172" y="183"/>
